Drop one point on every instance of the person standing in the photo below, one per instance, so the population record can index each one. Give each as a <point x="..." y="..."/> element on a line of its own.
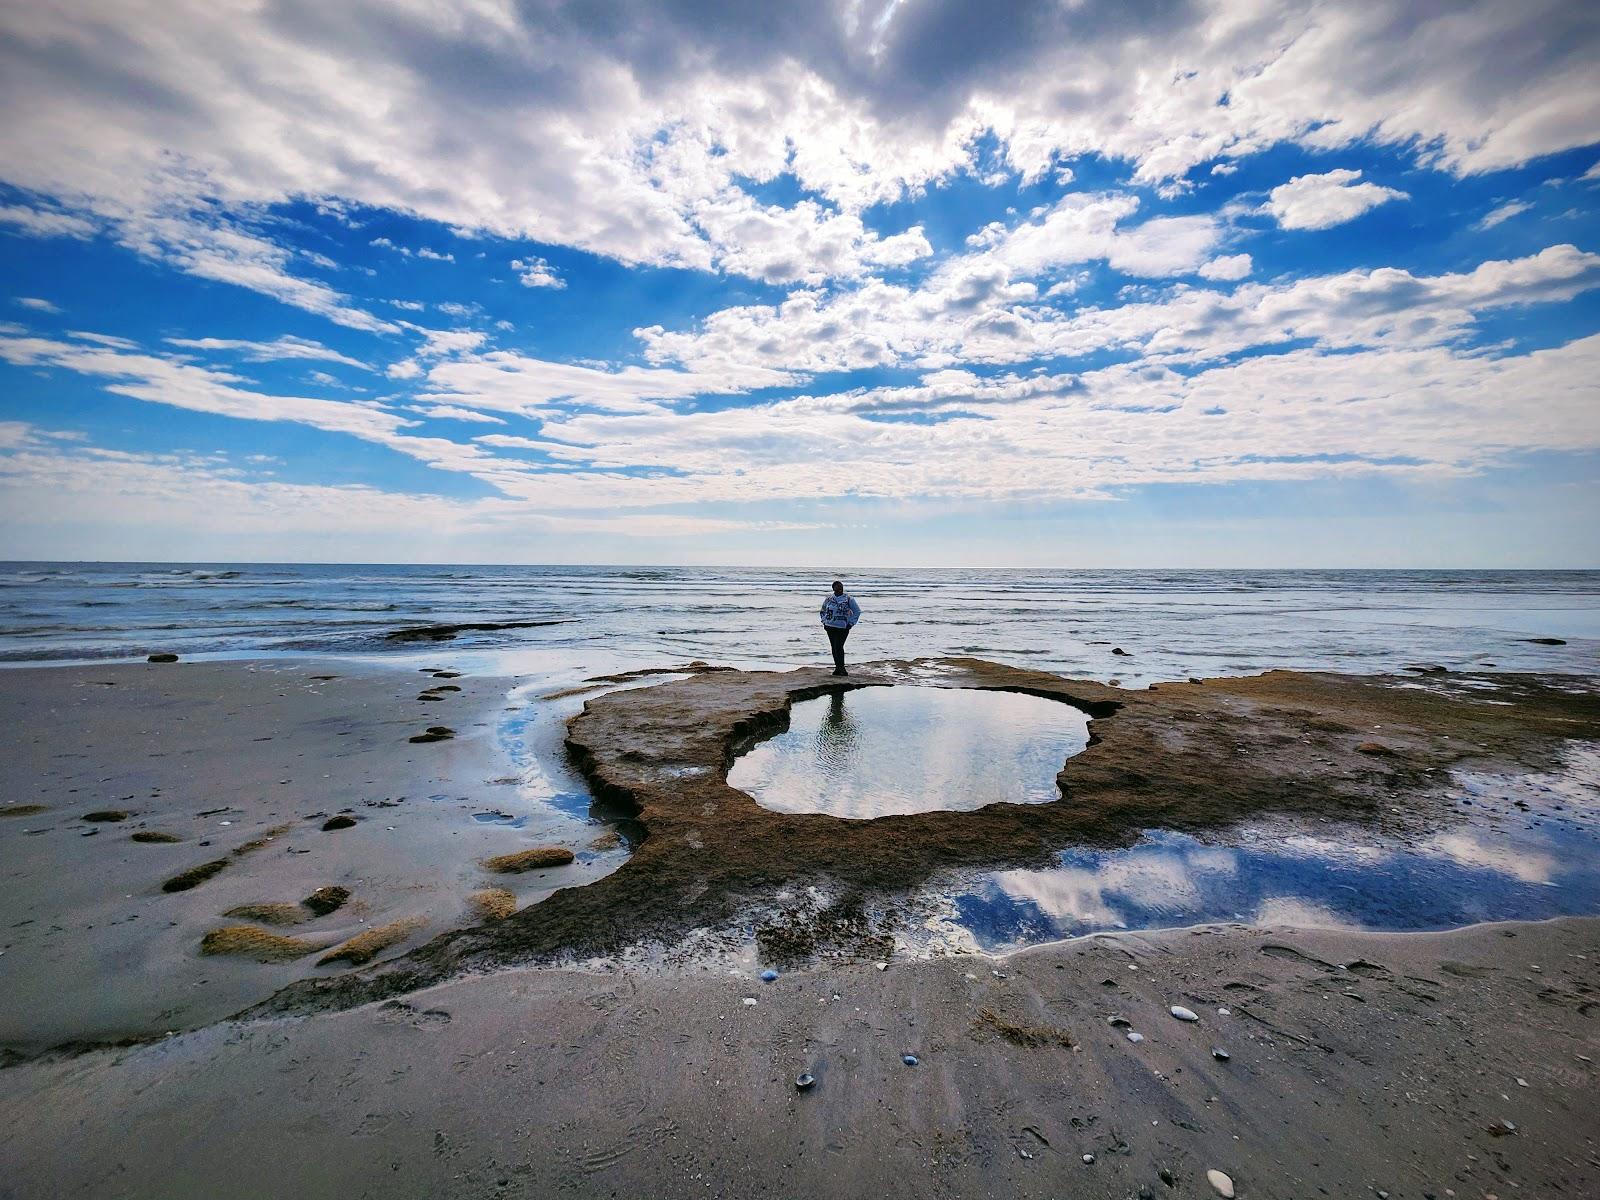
<point x="839" y="616"/>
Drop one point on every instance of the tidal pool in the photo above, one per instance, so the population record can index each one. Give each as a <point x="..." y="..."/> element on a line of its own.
<point x="1519" y="847"/>
<point x="886" y="751"/>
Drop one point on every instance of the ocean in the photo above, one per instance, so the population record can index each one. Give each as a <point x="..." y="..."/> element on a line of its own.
<point x="1171" y="624"/>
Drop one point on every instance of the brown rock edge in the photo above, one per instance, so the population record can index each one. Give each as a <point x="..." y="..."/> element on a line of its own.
<point x="1184" y="756"/>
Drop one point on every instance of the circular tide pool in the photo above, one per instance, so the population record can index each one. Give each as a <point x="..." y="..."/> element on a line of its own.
<point x="887" y="751"/>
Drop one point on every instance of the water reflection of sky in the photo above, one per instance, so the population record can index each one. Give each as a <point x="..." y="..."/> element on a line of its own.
<point x="1525" y="848"/>
<point x="885" y="750"/>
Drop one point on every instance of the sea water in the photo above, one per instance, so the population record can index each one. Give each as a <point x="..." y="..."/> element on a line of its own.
<point x="1502" y="859"/>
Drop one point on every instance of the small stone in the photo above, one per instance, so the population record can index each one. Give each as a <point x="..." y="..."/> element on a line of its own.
<point x="1183" y="1014"/>
<point x="1118" y="1022"/>
<point x="1502" y="1128"/>
<point x="1521" y="1082"/>
<point x="1136" y="1037"/>
<point x="1088" y="1159"/>
<point x="881" y="966"/>
<point x="749" y="1001"/>
<point x="1119" y="652"/>
<point x="803" y="1081"/>
<point x="1221" y="1055"/>
<point x="1168" y="1178"/>
<point x="1222" y="1012"/>
<point x="339" y="822"/>
<point x="106" y="814"/>
<point x="768" y="975"/>
<point x="910" y="1060"/>
<point x="1222" y="1184"/>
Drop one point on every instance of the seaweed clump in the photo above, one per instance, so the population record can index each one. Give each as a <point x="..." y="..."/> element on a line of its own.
<point x="529" y="860"/>
<point x="194" y="876"/>
<point x="365" y="946"/>
<point x="493" y="904"/>
<point x="246" y="941"/>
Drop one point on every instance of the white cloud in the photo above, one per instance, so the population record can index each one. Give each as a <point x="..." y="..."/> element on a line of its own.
<point x="285" y="347"/>
<point x="406" y="251"/>
<point x="1226" y="267"/>
<point x="1504" y="213"/>
<point x="638" y="137"/>
<point x="536" y="273"/>
<point x="37" y="304"/>
<point x="1323" y="201"/>
<point x="42" y="222"/>
<point x="449" y="412"/>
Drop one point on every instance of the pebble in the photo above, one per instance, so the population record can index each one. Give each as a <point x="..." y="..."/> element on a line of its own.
<point x="910" y="1060"/>
<point x="1118" y="1022"/>
<point x="768" y="975"/>
<point x="1222" y="1012"/>
<point x="803" y="1081"/>
<point x="1521" y="1082"/>
<point x="1221" y="1055"/>
<point x="1088" y="1158"/>
<point x="1184" y="1014"/>
<point x="1136" y="1037"/>
<point x="1501" y="1128"/>
<point x="749" y="1001"/>
<point x="1222" y="1184"/>
<point x="882" y="966"/>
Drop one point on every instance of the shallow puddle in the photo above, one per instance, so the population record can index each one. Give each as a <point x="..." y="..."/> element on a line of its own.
<point x="1521" y="847"/>
<point x="883" y="751"/>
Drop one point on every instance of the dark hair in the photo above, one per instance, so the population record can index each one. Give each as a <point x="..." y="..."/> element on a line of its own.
<point x="838" y="585"/>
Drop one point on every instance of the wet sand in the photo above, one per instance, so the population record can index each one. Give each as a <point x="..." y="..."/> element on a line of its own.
<point x="1358" y="1063"/>
<point x="221" y="756"/>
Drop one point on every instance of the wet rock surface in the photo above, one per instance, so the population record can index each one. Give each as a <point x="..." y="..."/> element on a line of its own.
<point x="1188" y="757"/>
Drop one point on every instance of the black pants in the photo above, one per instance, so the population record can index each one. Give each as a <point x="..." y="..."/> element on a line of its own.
<point x="836" y="639"/>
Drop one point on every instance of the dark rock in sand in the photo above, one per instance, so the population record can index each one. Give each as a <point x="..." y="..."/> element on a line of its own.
<point x="106" y="814"/>
<point x="339" y="822"/>
<point x="1547" y="641"/>
<point x="445" y="687"/>
<point x="1376" y="748"/>
<point x="446" y="675"/>
<point x="155" y="837"/>
<point x="1118" y="650"/>
<point x="326" y="900"/>
<point x="434" y="733"/>
<point x="162" y="658"/>
<point x="429" y="696"/>
<point x="23" y="810"/>
<point x="194" y="876"/>
<point x="529" y="860"/>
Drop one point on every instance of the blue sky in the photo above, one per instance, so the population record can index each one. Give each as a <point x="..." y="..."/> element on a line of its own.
<point x="865" y="283"/>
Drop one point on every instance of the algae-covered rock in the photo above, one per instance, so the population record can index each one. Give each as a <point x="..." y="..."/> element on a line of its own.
<point x="326" y="900"/>
<point x="22" y="810"/>
<point x="529" y="860"/>
<point x="493" y="904"/>
<point x="155" y="837"/>
<point x="365" y="946"/>
<point x="194" y="876"/>
<point x="269" y="914"/>
<point x="246" y="941"/>
<point x="106" y="814"/>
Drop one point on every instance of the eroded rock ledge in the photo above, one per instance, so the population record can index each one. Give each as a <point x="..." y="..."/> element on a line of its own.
<point x="1192" y="756"/>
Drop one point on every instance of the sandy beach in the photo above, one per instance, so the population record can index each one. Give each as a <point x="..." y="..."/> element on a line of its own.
<point x="1407" y="1065"/>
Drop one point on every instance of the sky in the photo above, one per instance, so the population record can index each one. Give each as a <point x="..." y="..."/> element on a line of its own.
<point x="843" y="282"/>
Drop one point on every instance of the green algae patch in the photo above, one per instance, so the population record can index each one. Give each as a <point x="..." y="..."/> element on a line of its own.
<point x="530" y="860"/>
<point x="246" y="941"/>
<point x="194" y="876"/>
<point x="365" y="946"/>
<point x="493" y="904"/>
<point x="269" y="914"/>
<point x="23" y="810"/>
